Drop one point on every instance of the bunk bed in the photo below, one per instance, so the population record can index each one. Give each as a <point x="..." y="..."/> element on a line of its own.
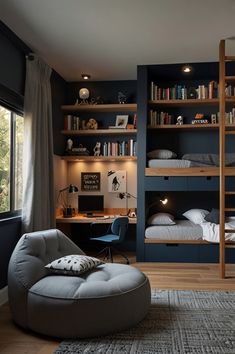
<point x="185" y="241"/>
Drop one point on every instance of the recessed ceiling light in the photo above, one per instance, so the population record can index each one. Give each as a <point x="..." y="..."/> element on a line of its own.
<point x="187" y="69"/>
<point x="86" y="76"/>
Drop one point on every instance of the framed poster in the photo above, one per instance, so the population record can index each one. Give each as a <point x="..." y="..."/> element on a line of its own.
<point x="90" y="181"/>
<point x="117" y="181"/>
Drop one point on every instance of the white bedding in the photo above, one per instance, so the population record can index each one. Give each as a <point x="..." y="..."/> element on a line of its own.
<point x="211" y="231"/>
<point x="169" y="163"/>
<point x="174" y="163"/>
<point x="182" y="230"/>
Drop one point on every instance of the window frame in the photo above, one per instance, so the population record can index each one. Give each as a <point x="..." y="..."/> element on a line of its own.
<point x="13" y="112"/>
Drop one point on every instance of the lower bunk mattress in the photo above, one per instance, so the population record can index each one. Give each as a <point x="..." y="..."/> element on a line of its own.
<point x="182" y="230"/>
<point x="186" y="230"/>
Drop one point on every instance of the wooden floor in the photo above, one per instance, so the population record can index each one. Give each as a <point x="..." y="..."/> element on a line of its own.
<point x="14" y="340"/>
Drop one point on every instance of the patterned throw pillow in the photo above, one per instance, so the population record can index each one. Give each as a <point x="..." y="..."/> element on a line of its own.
<point x="73" y="264"/>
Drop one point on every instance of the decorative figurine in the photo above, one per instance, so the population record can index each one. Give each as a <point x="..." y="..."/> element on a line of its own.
<point x="121" y="98"/>
<point x="84" y="95"/>
<point x="69" y="145"/>
<point x="179" y="120"/>
<point x="97" y="149"/>
<point x="92" y="124"/>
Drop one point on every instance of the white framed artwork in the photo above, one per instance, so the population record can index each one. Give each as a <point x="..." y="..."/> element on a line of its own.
<point x="117" y="181"/>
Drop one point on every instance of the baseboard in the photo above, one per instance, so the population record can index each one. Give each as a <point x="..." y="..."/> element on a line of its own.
<point x="3" y="295"/>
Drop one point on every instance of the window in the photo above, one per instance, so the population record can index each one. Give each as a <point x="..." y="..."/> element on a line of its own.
<point x="11" y="157"/>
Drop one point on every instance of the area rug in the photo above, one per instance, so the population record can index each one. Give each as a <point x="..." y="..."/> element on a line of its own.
<point x="178" y="322"/>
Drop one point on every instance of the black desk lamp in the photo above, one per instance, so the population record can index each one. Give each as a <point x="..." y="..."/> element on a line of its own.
<point x="126" y="195"/>
<point x="68" y="211"/>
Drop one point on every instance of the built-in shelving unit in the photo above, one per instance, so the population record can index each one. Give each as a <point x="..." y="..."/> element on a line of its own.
<point x="121" y="134"/>
<point x="157" y="129"/>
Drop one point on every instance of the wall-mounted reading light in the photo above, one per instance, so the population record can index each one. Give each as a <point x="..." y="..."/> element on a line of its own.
<point x="187" y="69"/>
<point x="164" y="201"/>
<point x="86" y="76"/>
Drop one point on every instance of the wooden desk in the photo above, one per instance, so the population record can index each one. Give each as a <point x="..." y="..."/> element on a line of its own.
<point x="64" y="224"/>
<point x="83" y="219"/>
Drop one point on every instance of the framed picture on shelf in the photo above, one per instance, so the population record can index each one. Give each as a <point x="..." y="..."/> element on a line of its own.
<point x="121" y="121"/>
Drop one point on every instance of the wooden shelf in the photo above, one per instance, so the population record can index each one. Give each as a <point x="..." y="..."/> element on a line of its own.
<point x="191" y="126"/>
<point x="128" y="107"/>
<point x="190" y="171"/>
<point x="190" y="102"/>
<point x="187" y="126"/>
<point x="98" y="158"/>
<point x="107" y="132"/>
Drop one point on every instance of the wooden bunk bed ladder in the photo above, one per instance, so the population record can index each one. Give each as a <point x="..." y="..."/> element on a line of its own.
<point x="222" y="143"/>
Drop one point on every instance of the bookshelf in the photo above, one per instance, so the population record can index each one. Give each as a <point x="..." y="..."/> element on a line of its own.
<point x="116" y="144"/>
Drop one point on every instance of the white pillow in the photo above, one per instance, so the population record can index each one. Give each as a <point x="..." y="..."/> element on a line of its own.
<point x="161" y="219"/>
<point x="161" y="154"/>
<point x="197" y="216"/>
<point x="73" y="264"/>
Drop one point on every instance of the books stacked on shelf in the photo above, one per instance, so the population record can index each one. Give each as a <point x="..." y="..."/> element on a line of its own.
<point x="181" y="92"/>
<point x="229" y="117"/>
<point x="123" y="148"/>
<point x="160" y="118"/>
<point x="71" y="122"/>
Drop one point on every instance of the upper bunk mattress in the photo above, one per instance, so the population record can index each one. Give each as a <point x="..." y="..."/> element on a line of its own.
<point x="175" y="163"/>
<point x="182" y="230"/>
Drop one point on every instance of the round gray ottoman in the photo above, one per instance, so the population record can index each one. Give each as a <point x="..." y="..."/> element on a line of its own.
<point x="110" y="298"/>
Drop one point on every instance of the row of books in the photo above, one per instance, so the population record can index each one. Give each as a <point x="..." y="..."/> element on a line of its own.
<point x="229" y="117"/>
<point x="181" y="92"/>
<point x="160" y="118"/>
<point x="123" y="148"/>
<point x="164" y="118"/>
<point x="71" y="122"/>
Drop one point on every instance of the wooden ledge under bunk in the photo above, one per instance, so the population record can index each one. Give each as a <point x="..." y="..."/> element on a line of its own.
<point x="189" y="171"/>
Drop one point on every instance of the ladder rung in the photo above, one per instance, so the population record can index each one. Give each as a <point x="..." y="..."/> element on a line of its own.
<point x="229" y="245"/>
<point x="229" y="193"/>
<point x="229" y="209"/>
<point x="228" y="231"/>
<point x="229" y="77"/>
<point x="229" y="57"/>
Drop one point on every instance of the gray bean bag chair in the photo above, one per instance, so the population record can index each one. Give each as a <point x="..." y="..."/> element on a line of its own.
<point x="109" y="298"/>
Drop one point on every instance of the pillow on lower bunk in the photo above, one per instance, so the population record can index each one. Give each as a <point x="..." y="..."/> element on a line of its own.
<point x="161" y="219"/>
<point x="161" y="154"/>
<point x="197" y="216"/>
<point x="213" y="216"/>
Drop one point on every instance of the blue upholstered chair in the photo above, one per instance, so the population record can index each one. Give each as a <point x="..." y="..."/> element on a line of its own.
<point x="114" y="236"/>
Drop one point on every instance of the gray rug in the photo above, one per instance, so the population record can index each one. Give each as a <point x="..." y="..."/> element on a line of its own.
<point x="183" y="322"/>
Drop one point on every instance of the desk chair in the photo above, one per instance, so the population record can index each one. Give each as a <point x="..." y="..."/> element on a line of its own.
<point x="115" y="235"/>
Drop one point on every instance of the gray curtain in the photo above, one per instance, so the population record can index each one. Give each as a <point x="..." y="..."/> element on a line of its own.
<point x="38" y="197"/>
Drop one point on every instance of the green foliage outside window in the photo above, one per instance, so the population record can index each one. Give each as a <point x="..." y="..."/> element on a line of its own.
<point x="11" y="154"/>
<point x="4" y="159"/>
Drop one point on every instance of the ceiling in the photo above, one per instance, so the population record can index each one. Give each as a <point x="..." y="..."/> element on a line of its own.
<point x="109" y="38"/>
